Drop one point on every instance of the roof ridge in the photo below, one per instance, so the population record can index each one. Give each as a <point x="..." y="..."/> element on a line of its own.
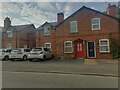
<point x="89" y="9"/>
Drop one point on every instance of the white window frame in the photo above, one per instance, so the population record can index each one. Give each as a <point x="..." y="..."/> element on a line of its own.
<point x="71" y="31"/>
<point x="48" y="30"/>
<point x="25" y="46"/>
<point x="9" y="45"/>
<point x="104" y="45"/>
<point x="10" y="33"/>
<point x="96" y="24"/>
<point x="68" y="46"/>
<point x="47" y="47"/>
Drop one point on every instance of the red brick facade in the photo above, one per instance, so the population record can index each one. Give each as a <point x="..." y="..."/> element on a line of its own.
<point x="108" y="26"/>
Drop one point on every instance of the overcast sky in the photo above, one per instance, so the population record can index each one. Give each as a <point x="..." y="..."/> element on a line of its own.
<point x="39" y="12"/>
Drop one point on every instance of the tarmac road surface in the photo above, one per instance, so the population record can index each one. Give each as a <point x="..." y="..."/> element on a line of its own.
<point x="12" y="79"/>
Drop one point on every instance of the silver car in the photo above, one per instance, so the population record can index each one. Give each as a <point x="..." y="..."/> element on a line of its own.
<point x="5" y="53"/>
<point x="20" y="53"/>
<point x="41" y="53"/>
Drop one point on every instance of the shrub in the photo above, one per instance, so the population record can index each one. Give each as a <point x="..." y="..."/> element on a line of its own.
<point x="114" y="49"/>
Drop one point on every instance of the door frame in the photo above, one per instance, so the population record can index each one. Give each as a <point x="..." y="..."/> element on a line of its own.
<point x="94" y="49"/>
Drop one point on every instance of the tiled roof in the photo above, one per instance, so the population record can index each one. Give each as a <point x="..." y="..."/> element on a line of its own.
<point x="53" y="24"/>
<point x="18" y="27"/>
<point x="84" y="7"/>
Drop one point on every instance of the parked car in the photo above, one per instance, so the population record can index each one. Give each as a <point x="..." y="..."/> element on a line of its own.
<point x="5" y="53"/>
<point x="20" y="53"/>
<point x="41" y="53"/>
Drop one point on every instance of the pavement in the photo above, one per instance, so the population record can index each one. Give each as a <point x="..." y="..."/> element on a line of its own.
<point x="97" y="67"/>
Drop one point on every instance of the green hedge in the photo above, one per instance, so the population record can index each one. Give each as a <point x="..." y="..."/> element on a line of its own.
<point x="114" y="48"/>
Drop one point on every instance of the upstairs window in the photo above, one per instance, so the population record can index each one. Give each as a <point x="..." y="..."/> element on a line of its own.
<point x="10" y="33"/>
<point x="95" y="23"/>
<point x="46" y="30"/>
<point x="104" y="45"/>
<point x="73" y="27"/>
<point x="68" y="47"/>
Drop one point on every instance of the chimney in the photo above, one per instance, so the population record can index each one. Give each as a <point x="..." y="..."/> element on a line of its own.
<point x="112" y="10"/>
<point x="7" y="23"/>
<point x="60" y="17"/>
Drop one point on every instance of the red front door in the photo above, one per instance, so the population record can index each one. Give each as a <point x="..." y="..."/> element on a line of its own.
<point x="79" y="50"/>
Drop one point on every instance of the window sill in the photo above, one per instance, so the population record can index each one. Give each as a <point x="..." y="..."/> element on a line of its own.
<point x="96" y="29"/>
<point x="46" y="35"/>
<point x="73" y="32"/>
<point x="68" y="52"/>
<point x="104" y="52"/>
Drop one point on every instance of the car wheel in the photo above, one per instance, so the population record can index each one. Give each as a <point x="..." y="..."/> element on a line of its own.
<point x="30" y="60"/>
<point x="12" y="59"/>
<point x="52" y="56"/>
<point x="44" y="58"/>
<point x="6" y="58"/>
<point x="25" y="58"/>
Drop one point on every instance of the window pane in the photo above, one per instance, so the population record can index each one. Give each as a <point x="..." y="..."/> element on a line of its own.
<point x="95" y="26"/>
<point x="95" y="21"/>
<point x="46" y="31"/>
<point x="68" y="44"/>
<point x="73" y="26"/>
<point x="103" y="42"/>
<point x="48" y="45"/>
<point x="9" y="45"/>
<point x="10" y="34"/>
<point x="104" y="48"/>
<point x="68" y="49"/>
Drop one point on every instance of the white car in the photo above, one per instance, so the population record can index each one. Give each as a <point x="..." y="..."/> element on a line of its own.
<point x="20" y="53"/>
<point x="41" y="53"/>
<point x="5" y="53"/>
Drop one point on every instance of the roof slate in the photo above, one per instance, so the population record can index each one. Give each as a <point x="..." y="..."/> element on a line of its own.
<point x="18" y="27"/>
<point x="84" y="7"/>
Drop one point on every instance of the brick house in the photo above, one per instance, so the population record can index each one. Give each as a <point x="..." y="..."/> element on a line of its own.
<point x="84" y="34"/>
<point x="18" y="36"/>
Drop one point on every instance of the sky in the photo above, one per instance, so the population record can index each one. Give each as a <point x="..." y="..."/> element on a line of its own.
<point x="37" y="13"/>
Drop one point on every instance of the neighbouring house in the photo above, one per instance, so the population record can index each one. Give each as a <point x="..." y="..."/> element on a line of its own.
<point x="19" y="36"/>
<point x="86" y="33"/>
<point x="46" y="36"/>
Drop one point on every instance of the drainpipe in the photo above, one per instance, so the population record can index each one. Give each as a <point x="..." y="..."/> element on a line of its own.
<point x="39" y="39"/>
<point x="28" y="40"/>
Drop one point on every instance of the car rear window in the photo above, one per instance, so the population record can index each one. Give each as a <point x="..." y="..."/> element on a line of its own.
<point x="15" y="50"/>
<point x="37" y="50"/>
<point x="27" y="50"/>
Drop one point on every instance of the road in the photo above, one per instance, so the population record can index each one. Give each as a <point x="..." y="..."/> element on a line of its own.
<point x="53" y="80"/>
<point x="58" y="74"/>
